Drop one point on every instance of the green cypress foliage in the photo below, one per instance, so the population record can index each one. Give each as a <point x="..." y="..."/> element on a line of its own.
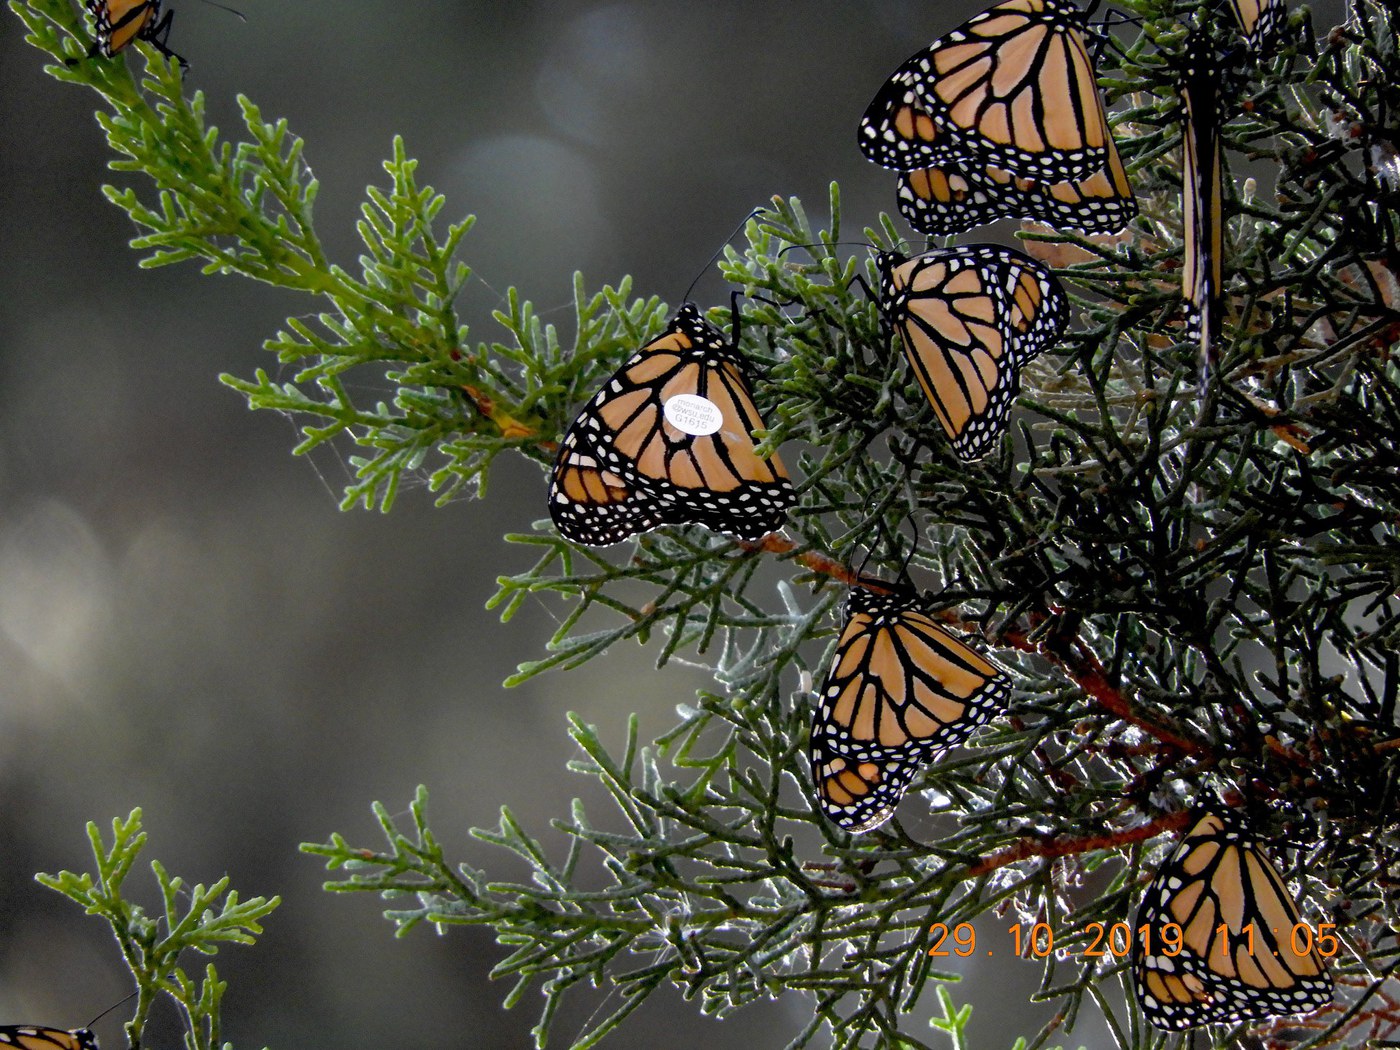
<point x="190" y="918"/>
<point x="1195" y="590"/>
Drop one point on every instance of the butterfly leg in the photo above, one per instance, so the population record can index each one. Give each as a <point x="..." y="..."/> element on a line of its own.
<point x="159" y="37"/>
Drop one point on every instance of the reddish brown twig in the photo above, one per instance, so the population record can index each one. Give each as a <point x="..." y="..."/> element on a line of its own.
<point x="1084" y="669"/>
<point x="1060" y="846"/>
<point x="1080" y="665"/>
<point x="824" y="564"/>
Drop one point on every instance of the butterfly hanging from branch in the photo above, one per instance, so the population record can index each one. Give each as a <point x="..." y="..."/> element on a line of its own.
<point x="668" y="440"/>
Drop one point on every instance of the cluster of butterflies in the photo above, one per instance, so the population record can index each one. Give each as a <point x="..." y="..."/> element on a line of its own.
<point x="1000" y="118"/>
<point x="667" y="440"/>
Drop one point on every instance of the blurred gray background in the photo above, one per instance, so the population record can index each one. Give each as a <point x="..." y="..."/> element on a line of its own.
<point x="187" y="621"/>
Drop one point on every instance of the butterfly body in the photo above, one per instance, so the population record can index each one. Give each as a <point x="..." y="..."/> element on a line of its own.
<point x="901" y="689"/>
<point x="969" y="317"/>
<point x="1214" y="884"/>
<point x="41" y="1037"/>
<point x="1202" y="189"/>
<point x="666" y="441"/>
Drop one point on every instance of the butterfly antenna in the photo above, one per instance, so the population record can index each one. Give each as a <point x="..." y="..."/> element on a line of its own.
<point x="109" y="1009"/>
<point x="1100" y="31"/>
<point x="230" y="10"/>
<point x="736" y="320"/>
<point x="890" y="541"/>
<point x="824" y="244"/>
<point x="882" y="257"/>
<point x="909" y="558"/>
<point x="718" y="252"/>
<point x="858" y="279"/>
<point x="860" y="569"/>
<point x="1114" y="19"/>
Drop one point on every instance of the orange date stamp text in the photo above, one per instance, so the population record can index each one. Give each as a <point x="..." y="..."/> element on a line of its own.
<point x="1100" y="940"/>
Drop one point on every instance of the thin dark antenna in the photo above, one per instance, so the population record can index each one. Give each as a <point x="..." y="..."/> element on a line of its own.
<point x="909" y="557"/>
<point x="718" y="252"/>
<point x="109" y="1009"/>
<point x="829" y="244"/>
<point x="894" y="542"/>
<point x="860" y="570"/>
<point x="230" y="10"/>
<point x="894" y="546"/>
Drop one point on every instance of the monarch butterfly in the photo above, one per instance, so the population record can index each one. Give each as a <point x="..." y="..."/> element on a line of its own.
<point x="666" y="441"/>
<point x="901" y="688"/>
<point x="1012" y="88"/>
<point x="1216" y="883"/>
<point x="944" y="200"/>
<point x="969" y="318"/>
<point x="39" y="1037"/>
<point x="1259" y="19"/>
<point x="119" y="22"/>
<point x="1201" y="190"/>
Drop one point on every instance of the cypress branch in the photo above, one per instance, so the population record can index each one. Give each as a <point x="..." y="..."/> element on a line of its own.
<point x="1193" y="593"/>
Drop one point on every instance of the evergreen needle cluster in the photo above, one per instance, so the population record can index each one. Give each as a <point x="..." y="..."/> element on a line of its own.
<point x="195" y="918"/>
<point x="1195" y="593"/>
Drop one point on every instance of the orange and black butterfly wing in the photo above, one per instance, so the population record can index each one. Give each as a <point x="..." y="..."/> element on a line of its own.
<point x="119" y="22"/>
<point x="40" y="1037"/>
<point x="667" y="441"/>
<point x="1214" y="884"/>
<point x="861" y="794"/>
<point x="1014" y="86"/>
<point x="969" y="319"/>
<point x="592" y="503"/>
<point x="897" y="132"/>
<point x="901" y="688"/>
<point x="949" y="199"/>
<point x="1259" y="20"/>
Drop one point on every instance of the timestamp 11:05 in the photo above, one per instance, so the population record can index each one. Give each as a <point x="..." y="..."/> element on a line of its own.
<point x="1099" y="940"/>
